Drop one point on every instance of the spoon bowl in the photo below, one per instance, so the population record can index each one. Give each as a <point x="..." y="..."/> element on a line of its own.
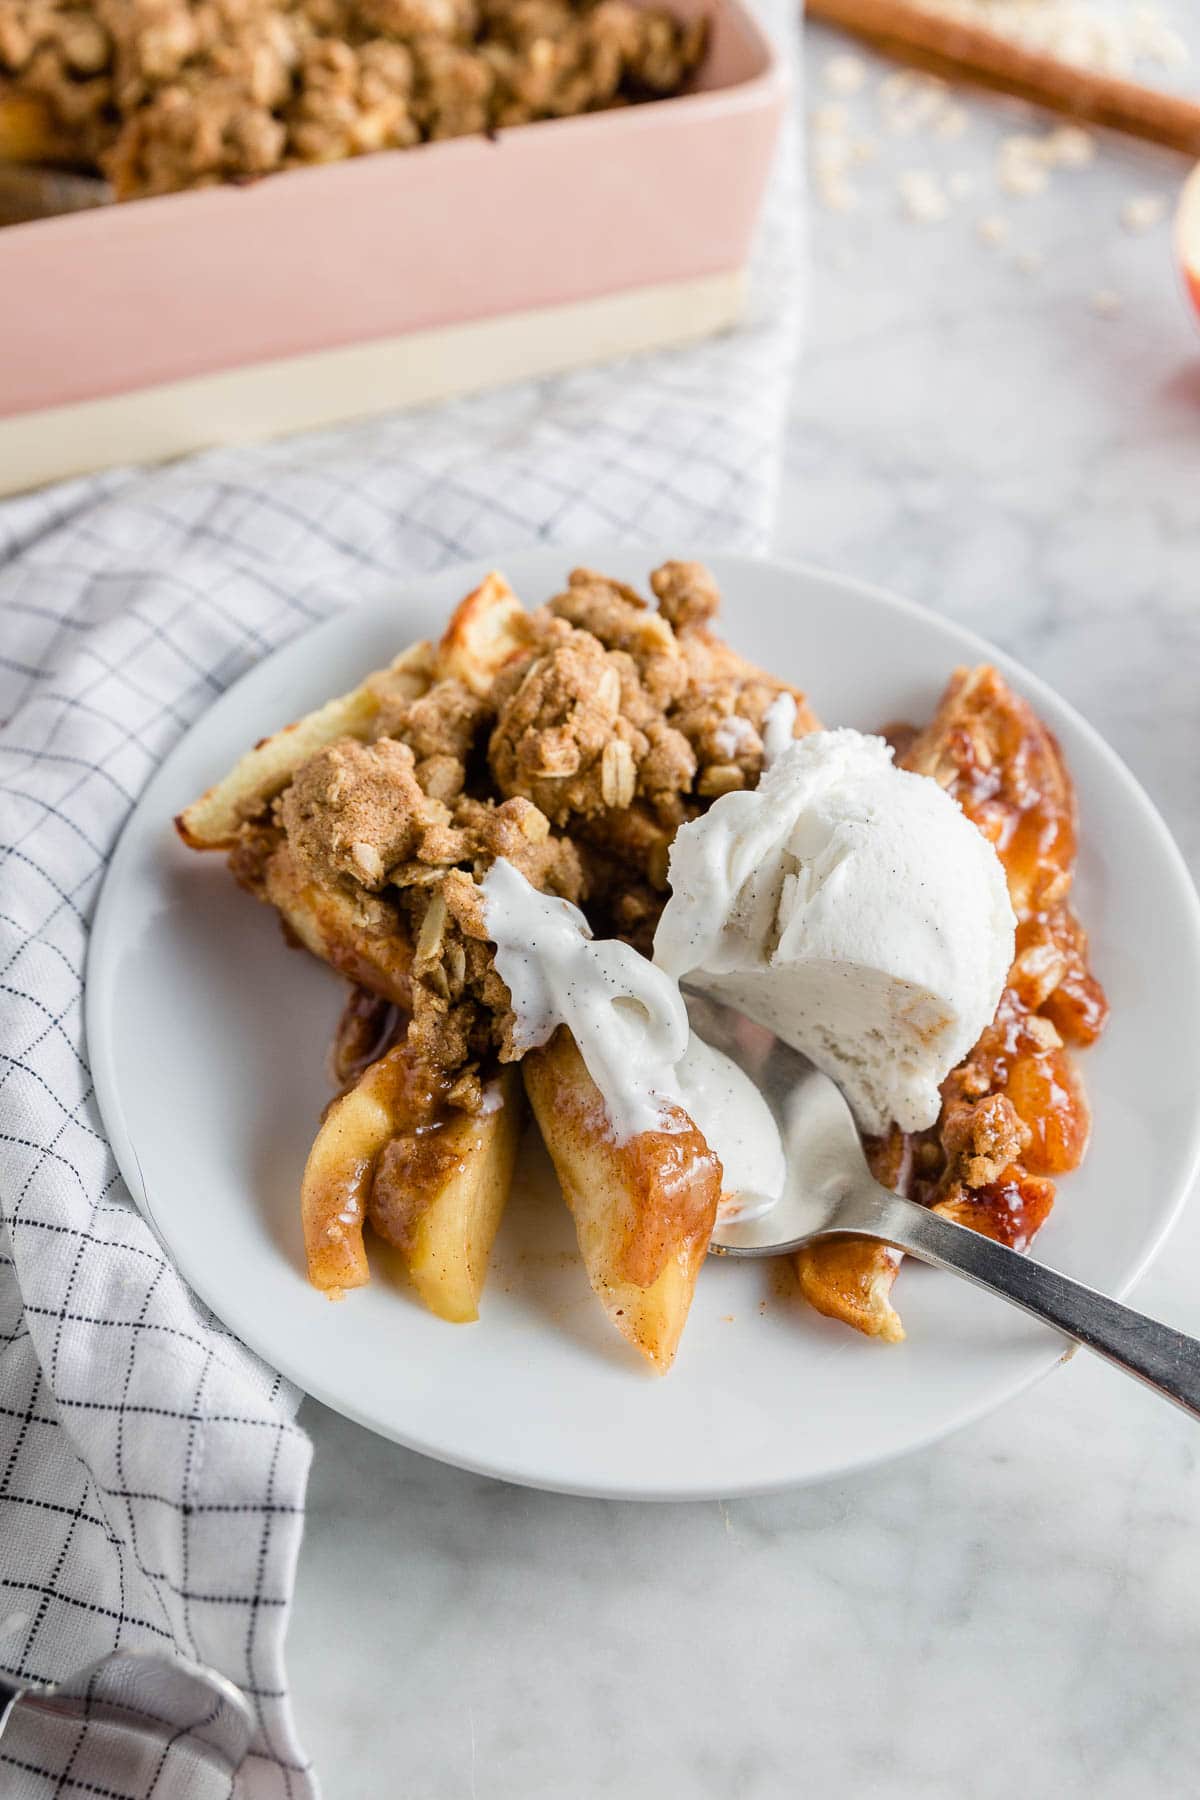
<point x="830" y="1192"/>
<point x="152" y="1693"/>
<point x="821" y="1144"/>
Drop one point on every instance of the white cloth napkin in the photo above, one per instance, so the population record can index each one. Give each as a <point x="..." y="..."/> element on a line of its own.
<point x="152" y="1474"/>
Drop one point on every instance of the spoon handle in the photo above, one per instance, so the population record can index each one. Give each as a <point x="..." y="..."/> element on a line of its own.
<point x="10" y="1693"/>
<point x="1166" y="1360"/>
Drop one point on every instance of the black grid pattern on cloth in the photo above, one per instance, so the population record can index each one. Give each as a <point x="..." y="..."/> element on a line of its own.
<point x="151" y="1473"/>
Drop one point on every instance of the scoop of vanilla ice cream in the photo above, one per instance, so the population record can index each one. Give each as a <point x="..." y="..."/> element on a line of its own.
<point x="853" y="908"/>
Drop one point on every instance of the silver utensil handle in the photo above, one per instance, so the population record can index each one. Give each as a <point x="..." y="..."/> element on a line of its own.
<point x="1162" y="1358"/>
<point x="10" y="1693"/>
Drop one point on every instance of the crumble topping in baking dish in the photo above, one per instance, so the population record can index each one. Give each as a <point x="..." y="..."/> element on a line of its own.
<point x="170" y="94"/>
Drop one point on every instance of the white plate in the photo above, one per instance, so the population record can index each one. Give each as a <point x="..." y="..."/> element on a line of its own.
<point x="208" y="1042"/>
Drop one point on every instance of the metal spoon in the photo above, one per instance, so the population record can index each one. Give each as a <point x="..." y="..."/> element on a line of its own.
<point x="830" y="1192"/>
<point x="151" y="1692"/>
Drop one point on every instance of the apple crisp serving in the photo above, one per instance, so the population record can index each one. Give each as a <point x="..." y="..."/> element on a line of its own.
<point x="573" y="741"/>
<point x="169" y="94"/>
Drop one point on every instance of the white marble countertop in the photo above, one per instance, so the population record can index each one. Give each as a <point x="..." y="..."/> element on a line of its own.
<point x="1016" y="1610"/>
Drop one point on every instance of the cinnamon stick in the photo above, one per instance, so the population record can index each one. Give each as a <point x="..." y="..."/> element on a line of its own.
<point x="956" y="50"/>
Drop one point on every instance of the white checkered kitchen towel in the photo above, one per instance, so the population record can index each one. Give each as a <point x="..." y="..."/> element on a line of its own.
<point x="152" y="1474"/>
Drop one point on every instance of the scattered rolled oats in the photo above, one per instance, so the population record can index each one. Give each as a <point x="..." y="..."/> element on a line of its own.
<point x="845" y="74"/>
<point x="1021" y="168"/>
<point x="1142" y="212"/>
<point x="835" y="192"/>
<point x="923" y="197"/>
<point x="952" y="122"/>
<point x="830" y="118"/>
<point x="1070" y="147"/>
<point x="830" y="153"/>
<point x="1106" y="34"/>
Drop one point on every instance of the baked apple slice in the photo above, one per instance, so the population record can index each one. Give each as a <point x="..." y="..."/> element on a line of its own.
<point x="851" y="1279"/>
<point x="361" y="935"/>
<point x="644" y="1209"/>
<point x="215" y="820"/>
<point x="485" y="632"/>
<point x="439" y="1197"/>
<point x="431" y="1179"/>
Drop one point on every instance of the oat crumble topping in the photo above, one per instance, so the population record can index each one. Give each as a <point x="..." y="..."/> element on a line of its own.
<point x="169" y="94"/>
<point x="613" y="723"/>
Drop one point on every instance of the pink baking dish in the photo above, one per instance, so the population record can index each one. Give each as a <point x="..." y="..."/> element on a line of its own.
<point x="160" y="326"/>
